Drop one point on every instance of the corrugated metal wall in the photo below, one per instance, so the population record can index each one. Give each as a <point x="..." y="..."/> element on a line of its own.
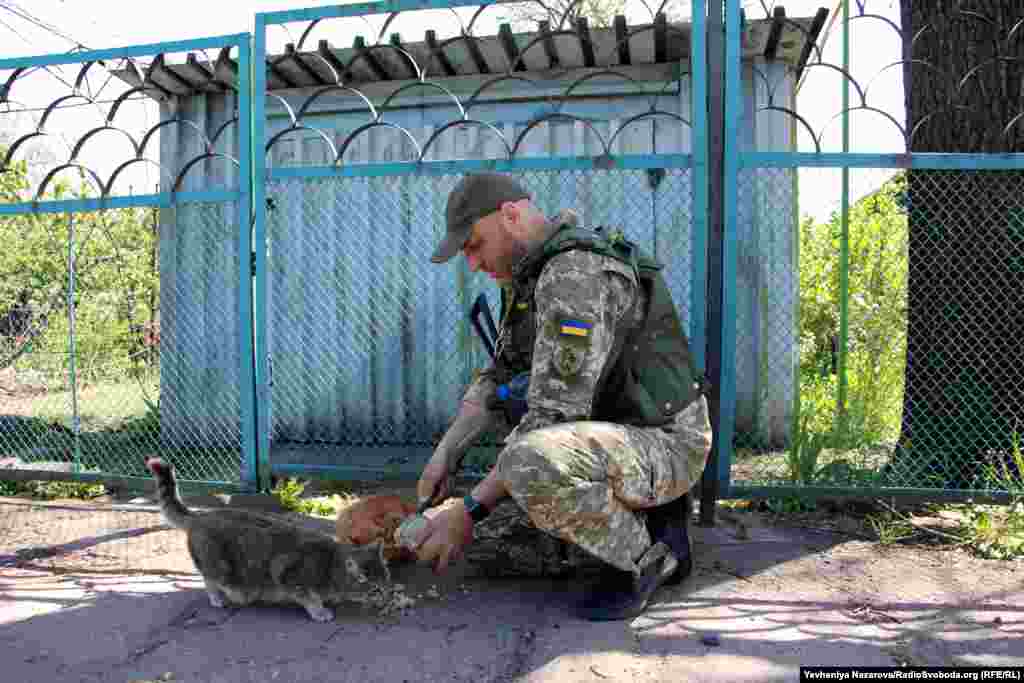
<point x="199" y="298"/>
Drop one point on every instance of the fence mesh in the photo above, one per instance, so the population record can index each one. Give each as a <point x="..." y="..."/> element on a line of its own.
<point x="118" y="339"/>
<point x="370" y="343"/>
<point x="924" y="390"/>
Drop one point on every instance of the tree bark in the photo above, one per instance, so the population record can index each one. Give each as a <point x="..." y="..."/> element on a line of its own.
<point x="964" y="392"/>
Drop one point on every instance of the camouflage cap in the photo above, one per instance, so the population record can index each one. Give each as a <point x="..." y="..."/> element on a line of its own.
<point x="475" y="196"/>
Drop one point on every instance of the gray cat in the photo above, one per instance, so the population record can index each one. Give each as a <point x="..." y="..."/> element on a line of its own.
<point x="246" y="556"/>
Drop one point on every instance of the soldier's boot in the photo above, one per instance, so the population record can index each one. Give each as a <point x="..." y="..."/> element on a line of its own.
<point x="621" y="595"/>
<point x="624" y="595"/>
<point x="670" y="524"/>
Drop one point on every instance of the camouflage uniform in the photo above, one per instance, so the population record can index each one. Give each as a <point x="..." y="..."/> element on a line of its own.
<point x="577" y="484"/>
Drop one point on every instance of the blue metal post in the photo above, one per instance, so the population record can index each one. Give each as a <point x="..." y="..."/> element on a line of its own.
<point x="730" y="198"/>
<point x="259" y="198"/>
<point x="247" y="374"/>
<point x="76" y="416"/>
<point x="714" y="177"/>
<point x="699" y="149"/>
<point x="844" y="237"/>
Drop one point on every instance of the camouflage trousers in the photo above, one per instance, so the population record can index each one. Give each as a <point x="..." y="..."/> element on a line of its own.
<point x="578" y="491"/>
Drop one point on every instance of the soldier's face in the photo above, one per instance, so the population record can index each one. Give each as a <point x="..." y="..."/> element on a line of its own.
<point x="495" y="244"/>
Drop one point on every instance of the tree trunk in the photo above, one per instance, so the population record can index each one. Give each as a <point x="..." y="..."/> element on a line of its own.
<point x="964" y="393"/>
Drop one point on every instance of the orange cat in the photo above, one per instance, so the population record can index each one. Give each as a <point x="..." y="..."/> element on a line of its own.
<point x="375" y="518"/>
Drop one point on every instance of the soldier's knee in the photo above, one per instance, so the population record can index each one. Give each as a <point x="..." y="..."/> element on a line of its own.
<point x="527" y="463"/>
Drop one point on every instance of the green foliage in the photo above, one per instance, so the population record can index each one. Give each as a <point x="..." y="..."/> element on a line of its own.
<point x="997" y="532"/>
<point x="876" y="347"/>
<point x="289" y="493"/>
<point x="790" y="505"/>
<point x="889" y="528"/>
<point x="52" y="490"/>
<point x="116" y="283"/>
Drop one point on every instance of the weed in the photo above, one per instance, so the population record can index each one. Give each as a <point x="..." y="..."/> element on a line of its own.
<point x="802" y="458"/>
<point x="791" y="505"/>
<point x="52" y="490"/>
<point x="890" y="528"/>
<point x="289" y="493"/>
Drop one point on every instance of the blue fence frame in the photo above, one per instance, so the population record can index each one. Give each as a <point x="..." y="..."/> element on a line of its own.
<point x="243" y="195"/>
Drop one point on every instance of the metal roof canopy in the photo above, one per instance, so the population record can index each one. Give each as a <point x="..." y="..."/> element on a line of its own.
<point x="788" y="40"/>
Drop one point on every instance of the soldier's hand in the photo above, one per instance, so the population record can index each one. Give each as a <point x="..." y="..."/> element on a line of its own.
<point x="474" y="418"/>
<point x="435" y="481"/>
<point x="445" y="537"/>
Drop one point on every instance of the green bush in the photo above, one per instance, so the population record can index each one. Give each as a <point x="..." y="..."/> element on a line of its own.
<point x="877" y="309"/>
<point x="116" y="287"/>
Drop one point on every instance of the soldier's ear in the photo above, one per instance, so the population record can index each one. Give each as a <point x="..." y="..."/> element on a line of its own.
<point x="514" y="215"/>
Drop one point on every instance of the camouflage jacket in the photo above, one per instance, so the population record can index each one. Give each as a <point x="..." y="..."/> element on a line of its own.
<point x="581" y="323"/>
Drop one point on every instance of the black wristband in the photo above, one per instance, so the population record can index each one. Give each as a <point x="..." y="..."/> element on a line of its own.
<point x="477" y="510"/>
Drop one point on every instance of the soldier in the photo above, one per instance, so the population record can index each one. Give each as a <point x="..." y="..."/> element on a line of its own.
<point x="615" y="431"/>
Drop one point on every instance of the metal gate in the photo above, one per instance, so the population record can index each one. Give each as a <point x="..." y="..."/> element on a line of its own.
<point x="364" y="346"/>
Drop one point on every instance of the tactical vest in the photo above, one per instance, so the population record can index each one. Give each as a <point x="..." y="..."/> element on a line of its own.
<point x="650" y="375"/>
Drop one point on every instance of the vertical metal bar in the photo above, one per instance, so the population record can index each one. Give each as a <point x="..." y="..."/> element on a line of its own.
<point x="710" y="481"/>
<point x="76" y="423"/>
<point x="247" y="359"/>
<point x="844" y="235"/>
<point x="699" y="178"/>
<point x="259" y="205"/>
<point x="722" y="266"/>
<point x="730" y="201"/>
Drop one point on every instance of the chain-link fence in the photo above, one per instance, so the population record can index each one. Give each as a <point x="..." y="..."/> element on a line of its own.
<point x="881" y="351"/>
<point x="120" y="341"/>
<point x="371" y="345"/>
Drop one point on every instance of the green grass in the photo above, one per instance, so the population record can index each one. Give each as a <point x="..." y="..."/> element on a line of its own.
<point x="119" y="427"/>
<point x="105" y="406"/>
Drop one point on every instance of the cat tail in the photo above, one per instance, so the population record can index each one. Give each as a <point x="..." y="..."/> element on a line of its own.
<point x="167" y="497"/>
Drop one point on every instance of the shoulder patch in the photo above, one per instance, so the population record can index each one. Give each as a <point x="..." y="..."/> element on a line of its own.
<point x="568" y="327"/>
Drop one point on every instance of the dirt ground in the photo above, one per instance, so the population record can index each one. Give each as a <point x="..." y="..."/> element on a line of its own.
<point x="767" y="596"/>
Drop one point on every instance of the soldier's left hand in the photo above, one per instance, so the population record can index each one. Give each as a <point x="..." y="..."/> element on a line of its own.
<point x="445" y="537"/>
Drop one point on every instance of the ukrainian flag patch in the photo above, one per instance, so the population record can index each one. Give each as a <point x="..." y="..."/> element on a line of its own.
<point x="575" y="328"/>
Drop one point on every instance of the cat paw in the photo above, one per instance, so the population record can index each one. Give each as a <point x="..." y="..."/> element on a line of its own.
<point x="321" y="614"/>
<point x="217" y="600"/>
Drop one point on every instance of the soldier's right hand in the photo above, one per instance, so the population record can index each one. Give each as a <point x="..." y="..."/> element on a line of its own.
<point x="435" y="482"/>
<point x="474" y="418"/>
